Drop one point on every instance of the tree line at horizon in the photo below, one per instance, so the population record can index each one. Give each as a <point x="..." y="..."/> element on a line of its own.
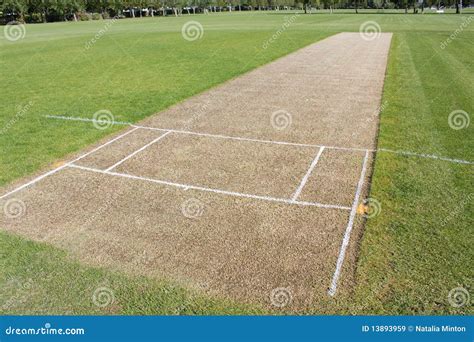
<point x="64" y="10"/>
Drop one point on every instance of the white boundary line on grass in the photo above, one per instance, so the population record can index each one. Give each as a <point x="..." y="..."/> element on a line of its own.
<point x="350" y="225"/>
<point x="422" y="155"/>
<point x="217" y="191"/>
<point x="405" y="153"/>
<point x="306" y="176"/>
<point x="76" y="118"/>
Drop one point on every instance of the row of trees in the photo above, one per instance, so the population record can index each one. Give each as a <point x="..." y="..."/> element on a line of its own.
<point x="54" y="10"/>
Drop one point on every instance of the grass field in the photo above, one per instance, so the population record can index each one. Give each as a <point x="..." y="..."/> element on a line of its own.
<point x="412" y="254"/>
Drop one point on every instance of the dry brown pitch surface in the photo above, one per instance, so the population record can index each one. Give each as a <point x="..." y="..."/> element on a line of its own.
<point x="246" y="188"/>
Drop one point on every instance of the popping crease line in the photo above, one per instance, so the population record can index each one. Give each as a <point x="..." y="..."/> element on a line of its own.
<point x="405" y="153"/>
<point x="33" y="181"/>
<point x="137" y="151"/>
<point x="306" y="176"/>
<point x="218" y="191"/>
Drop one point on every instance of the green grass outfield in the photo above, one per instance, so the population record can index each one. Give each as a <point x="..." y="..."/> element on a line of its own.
<point x="412" y="254"/>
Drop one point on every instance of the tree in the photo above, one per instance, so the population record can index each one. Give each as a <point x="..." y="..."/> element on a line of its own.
<point x="43" y="7"/>
<point x="67" y="8"/>
<point x="116" y="6"/>
<point x="17" y="7"/>
<point x="306" y="3"/>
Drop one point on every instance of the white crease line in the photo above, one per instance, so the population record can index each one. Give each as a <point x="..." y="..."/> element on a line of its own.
<point x="347" y="234"/>
<point x="34" y="180"/>
<point x="219" y="136"/>
<point x="421" y="155"/>
<point x="407" y="153"/>
<point x="66" y="164"/>
<point x="224" y="192"/>
<point x="137" y="151"/>
<point x="275" y="142"/>
<point x="306" y="176"/>
<point x="103" y="145"/>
